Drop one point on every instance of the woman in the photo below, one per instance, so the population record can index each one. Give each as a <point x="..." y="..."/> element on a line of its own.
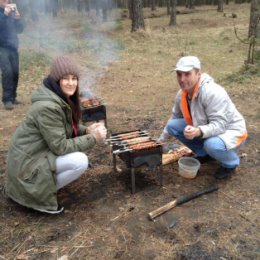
<point x="46" y="151"/>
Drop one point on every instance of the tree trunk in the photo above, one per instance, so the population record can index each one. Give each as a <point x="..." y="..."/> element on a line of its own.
<point x="97" y="6"/>
<point x="173" y="4"/>
<point x="54" y="7"/>
<point x="254" y="23"/>
<point x="168" y="7"/>
<point x="137" y="16"/>
<point x="220" y="6"/>
<point x="104" y="6"/>
<point x="87" y="6"/>
<point x="153" y="5"/>
<point x="254" y="30"/>
<point x="33" y="11"/>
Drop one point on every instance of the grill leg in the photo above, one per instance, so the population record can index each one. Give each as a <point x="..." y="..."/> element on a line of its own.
<point x="114" y="162"/>
<point x="133" y="179"/>
<point x="161" y="174"/>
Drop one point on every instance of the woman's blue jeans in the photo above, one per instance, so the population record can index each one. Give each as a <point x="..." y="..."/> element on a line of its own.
<point x="213" y="146"/>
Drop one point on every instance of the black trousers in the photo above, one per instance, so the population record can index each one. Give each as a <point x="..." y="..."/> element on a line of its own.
<point x="9" y="65"/>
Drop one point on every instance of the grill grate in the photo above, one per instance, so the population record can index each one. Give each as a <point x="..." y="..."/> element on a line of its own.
<point x="150" y="157"/>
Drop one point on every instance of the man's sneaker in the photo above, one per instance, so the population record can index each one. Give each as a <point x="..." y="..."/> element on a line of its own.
<point x="223" y="173"/>
<point x="17" y="102"/>
<point x="8" y="105"/>
<point x="57" y="211"/>
<point x="205" y="159"/>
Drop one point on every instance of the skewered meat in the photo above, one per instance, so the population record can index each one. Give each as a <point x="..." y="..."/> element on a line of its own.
<point x="137" y="140"/>
<point x="86" y="102"/>
<point x="144" y="145"/>
<point x="128" y="136"/>
<point x="130" y="133"/>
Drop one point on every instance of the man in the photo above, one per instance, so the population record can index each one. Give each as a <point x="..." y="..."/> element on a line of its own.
<point x="10" y="25"/>
<point x="205" y="119"/>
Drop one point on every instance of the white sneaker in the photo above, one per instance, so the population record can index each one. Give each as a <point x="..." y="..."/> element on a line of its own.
<point x="59" y="210"/>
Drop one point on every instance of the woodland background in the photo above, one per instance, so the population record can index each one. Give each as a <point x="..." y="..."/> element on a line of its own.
<point x="131" y="68"/>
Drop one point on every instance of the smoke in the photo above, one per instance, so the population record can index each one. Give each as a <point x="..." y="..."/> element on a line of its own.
<point x="82" y="37"/>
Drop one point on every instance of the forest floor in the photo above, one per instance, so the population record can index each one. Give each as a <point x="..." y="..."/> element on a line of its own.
<point x="133" y="73"/>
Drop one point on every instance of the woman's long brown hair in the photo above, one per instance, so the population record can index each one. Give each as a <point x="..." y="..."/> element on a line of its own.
<point x="74" y="103"/>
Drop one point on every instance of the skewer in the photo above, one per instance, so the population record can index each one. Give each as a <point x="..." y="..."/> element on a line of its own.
<point x="137" y="147"/>
<point x="122" y="151"/>
<point x="130" y="133"/>
<point x="137" y="140"/>
<point x="116" y="138"/>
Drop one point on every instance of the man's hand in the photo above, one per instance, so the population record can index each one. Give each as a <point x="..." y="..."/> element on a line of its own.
<point x="11" y="9"/>
<point x="190" y="132"/>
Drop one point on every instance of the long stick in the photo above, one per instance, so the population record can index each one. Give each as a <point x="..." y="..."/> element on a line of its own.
<point x="152" y="215"/>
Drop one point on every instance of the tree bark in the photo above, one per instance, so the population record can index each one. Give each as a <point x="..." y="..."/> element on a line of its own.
<point x="54" y="7"/>
<point x="173" y="5"/>
<point x="153" y="5"/>
<point x="136" y="11"/>
<point x="254" y="30"/>
<point x="220" y="6"/>
<point x="104" y="6"/>
<point x="254" y="23"/>
<point x="168" y="7"/>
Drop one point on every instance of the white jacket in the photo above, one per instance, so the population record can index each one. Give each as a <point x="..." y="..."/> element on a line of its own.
<point x="213" y="112"/>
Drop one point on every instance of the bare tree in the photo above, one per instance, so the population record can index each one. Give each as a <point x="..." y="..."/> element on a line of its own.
<point x="153" y="8"/>
<point x="190" y="4"/>
<point x="136" y="11"/>
<point x="173" y="6"/>
<point x="104" y="6"/>
<point x="168" y="7"/>
<point x="254" y="30"/>
<point x="220" y="6"/>
<point x="254" y="26"/>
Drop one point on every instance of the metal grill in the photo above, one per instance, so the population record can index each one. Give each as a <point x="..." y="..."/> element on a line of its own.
<point x="137" y="148"/>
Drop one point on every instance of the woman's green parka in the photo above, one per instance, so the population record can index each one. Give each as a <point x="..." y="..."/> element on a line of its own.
<point x="45" y="133"/>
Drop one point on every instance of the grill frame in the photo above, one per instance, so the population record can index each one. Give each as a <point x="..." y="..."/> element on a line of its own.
<point x="151" y="157"/>
<point x="94" y="114"/>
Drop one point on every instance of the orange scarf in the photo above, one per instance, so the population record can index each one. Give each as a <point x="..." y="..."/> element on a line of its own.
<point x="185" y="105"/>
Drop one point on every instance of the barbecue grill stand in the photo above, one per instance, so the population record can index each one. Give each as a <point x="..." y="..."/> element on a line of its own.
<point x="94" y="114"/>
<point x="151" y="158"/>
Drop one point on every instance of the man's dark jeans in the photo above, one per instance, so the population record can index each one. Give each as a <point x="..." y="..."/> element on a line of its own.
<point x="9" y="65"/>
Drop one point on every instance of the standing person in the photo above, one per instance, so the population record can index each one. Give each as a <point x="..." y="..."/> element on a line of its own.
<point x="205" y="119"/>
<point x="47" y="150"/>
<point x="10" y="25"/>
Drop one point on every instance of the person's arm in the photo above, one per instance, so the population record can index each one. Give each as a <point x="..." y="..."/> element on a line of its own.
<point x="216" y="108"/>
<point x="50" y="122"/>
<point x="176" y="113"/>
<point x="81" y="129"/>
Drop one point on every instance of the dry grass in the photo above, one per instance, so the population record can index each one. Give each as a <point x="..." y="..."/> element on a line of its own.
<point x="102" y="220"/>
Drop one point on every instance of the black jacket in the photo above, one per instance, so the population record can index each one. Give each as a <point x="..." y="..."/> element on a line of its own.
<point x="9" y="28"/>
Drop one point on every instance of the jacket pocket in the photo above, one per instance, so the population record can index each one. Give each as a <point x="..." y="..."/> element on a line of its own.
<point x="30" y="176"/>
<point x="33" y="170"/>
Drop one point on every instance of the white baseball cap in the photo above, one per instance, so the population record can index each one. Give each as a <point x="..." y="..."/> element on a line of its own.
<point x="187" y="63"/>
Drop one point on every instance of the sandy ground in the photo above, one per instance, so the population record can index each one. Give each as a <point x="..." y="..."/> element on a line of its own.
<point x="102" y="219"/>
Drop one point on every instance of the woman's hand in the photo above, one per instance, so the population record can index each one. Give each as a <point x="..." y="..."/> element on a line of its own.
<point x="98" y="130"/>
<point x="190" y="132"/>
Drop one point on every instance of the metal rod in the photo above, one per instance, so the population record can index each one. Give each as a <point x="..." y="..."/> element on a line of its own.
<point x="122" y="151"/>
<point x="133" y="179"/>
<point x="117" y="138"/>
